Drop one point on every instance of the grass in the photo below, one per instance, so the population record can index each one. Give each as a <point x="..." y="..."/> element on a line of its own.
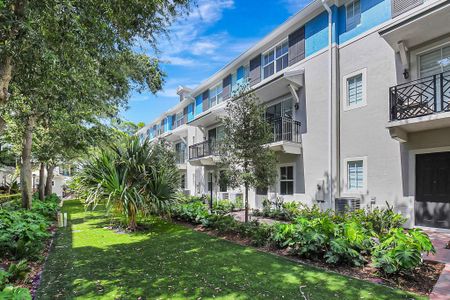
<point x="173" y="262"/>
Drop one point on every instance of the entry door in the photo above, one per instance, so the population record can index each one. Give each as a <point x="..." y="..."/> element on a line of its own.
<point x="432" y="206"/>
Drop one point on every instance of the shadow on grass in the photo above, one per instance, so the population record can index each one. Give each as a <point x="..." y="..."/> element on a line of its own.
<point x="173" y="262"/>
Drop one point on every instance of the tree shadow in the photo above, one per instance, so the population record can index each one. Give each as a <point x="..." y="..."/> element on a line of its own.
<point x="174" y="262"/>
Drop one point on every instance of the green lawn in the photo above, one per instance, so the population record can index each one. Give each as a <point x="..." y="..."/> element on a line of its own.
<point x="174" y="262"/>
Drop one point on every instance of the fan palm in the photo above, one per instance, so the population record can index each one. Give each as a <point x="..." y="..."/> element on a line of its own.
<point x="132" y="178"/>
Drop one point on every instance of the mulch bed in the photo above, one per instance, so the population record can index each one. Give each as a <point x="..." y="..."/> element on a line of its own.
<point x="421" y="281"/>
<point x="33" y="277"/>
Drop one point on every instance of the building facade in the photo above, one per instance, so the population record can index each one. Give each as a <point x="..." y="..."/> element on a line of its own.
<point x="358" y="95"/>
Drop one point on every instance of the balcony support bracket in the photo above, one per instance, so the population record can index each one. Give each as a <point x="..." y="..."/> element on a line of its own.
<point x="293" y="91"/>
<point x="404" y="57"/>
<point x="399" y="135"/>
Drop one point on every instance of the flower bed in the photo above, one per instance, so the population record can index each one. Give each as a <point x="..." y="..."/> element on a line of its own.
<point x="371" y="241"/>
<point x="24" y="242"/>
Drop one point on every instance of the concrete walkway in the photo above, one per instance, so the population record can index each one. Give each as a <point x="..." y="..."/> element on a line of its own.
<point x="440" y="238"/>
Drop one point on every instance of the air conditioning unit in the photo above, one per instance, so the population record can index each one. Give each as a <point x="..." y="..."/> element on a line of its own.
<point x="187" y="192"/>
<point x="225" y="196"/>
<point x="347" y="204"/>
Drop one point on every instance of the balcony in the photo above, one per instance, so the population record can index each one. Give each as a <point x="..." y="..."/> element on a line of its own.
<point x="204" y="153"/>
<point x="286" y="136"/>
<point x="419" y="105"/>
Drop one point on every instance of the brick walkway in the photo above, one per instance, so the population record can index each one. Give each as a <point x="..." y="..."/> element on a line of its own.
<point x="440" y="237"/>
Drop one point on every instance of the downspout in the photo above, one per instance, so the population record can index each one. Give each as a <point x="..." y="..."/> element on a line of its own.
<point x="330" y="100"/>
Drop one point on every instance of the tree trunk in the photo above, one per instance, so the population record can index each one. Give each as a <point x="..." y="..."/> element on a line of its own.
<point x="5" y="78"/>
<point x="42" y="182"/>
<point x="49" y="183"/>
<point x="25" y="168"/>
<point x="246" y="202"/>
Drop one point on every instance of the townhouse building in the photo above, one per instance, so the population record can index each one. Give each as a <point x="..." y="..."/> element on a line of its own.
<point x="358" y="95"/>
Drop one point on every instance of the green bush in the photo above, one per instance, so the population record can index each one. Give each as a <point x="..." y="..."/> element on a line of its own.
<point x="239" y="202"/>
<point x="15" y="271"/>
<point x="222" y="207"/>
<point x="15" y="293"/>
<point x="194" y="212"/>
<point x="401" y="250"/>
<point x="22" y="232"/>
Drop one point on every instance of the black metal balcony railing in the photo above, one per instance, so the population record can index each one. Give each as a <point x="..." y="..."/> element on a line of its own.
<point x="205" y="148"/>
<point x="285" y="129"/>
<point x="420" y="97"/>
<point x="179" y="122"/>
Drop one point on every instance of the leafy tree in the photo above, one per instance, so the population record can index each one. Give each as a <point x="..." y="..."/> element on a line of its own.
<point x="72" y="55"/>
<point x="133" y="178"/>
<point x="31" y="30"/>
<point x="245" y="160"/>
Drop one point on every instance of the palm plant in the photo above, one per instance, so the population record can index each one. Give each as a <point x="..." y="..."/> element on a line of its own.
<point x="132" y="178"/>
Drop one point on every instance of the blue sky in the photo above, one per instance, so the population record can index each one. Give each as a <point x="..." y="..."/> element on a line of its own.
<point x="199" y="45"/>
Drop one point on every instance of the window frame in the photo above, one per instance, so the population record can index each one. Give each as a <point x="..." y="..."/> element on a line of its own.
<point x="286" y="180"/>
<point x="419" y="55"/>
<point x="363" y="73"/>
<point x="218" y="97"/>
<point x="364" y="188"/>
<point x="275" y="58"/>
<point x="354" y="23"/>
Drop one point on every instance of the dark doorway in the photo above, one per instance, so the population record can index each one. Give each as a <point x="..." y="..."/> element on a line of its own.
<point x="432" y="206"/>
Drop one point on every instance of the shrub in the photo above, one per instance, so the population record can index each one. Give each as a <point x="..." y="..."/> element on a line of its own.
<point x="15" y="293"/>
<point x="14" y="272"/>
<point x="401" y="250"/>
<point x="239" y="202"/>
<point x="223" y="207"/>
<point x="22" y="232"/>
<point x="194" y="212"/>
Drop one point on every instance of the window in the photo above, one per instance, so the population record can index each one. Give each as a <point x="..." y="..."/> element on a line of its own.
<point x="180" y="119"/>
<point x="356" y="177"/>
<point x="276" y="59"/>
<point x="281" y="109"/>
<point x="353" y="14"/>
<point x="215" y="95"/>
<point x="355" y="90"/>
<point x="287" y="180"/>
<point x="434" y="62"/>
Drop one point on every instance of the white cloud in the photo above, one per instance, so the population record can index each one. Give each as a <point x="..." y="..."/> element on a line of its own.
<point x="293" y="6"/>
<point x="178" y="61"/>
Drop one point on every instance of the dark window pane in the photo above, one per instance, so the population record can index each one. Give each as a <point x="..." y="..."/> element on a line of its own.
<point x="283" y="173"/>
<point x="283" y="188"/>
<point x="290" y="188"/>
<point x="290" y="172"/>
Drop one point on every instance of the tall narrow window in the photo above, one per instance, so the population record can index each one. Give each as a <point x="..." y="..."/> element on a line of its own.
<point x="287" y="180"/>
<point x="215" y="95"/>
<point x="268" y="64"/>
<point x="281" y="55"/>
<point x="355" y="175"/>
<point x="353" y="14"/>
<point x="354" y="90"/>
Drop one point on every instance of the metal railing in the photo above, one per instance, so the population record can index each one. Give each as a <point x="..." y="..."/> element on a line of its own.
<point x="421" y="97"/>
<point x="180" y="122"/>
<point x="285" y="129"/>
<point x="205" y="148"/>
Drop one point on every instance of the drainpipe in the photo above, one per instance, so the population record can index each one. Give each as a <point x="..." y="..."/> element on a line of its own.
<point x="330" y="100"/>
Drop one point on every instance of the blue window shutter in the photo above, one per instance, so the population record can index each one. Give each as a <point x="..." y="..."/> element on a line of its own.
<point x="190" y="115"/>
<point x="198" y="104"/>
<point x="240" y="73"/>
